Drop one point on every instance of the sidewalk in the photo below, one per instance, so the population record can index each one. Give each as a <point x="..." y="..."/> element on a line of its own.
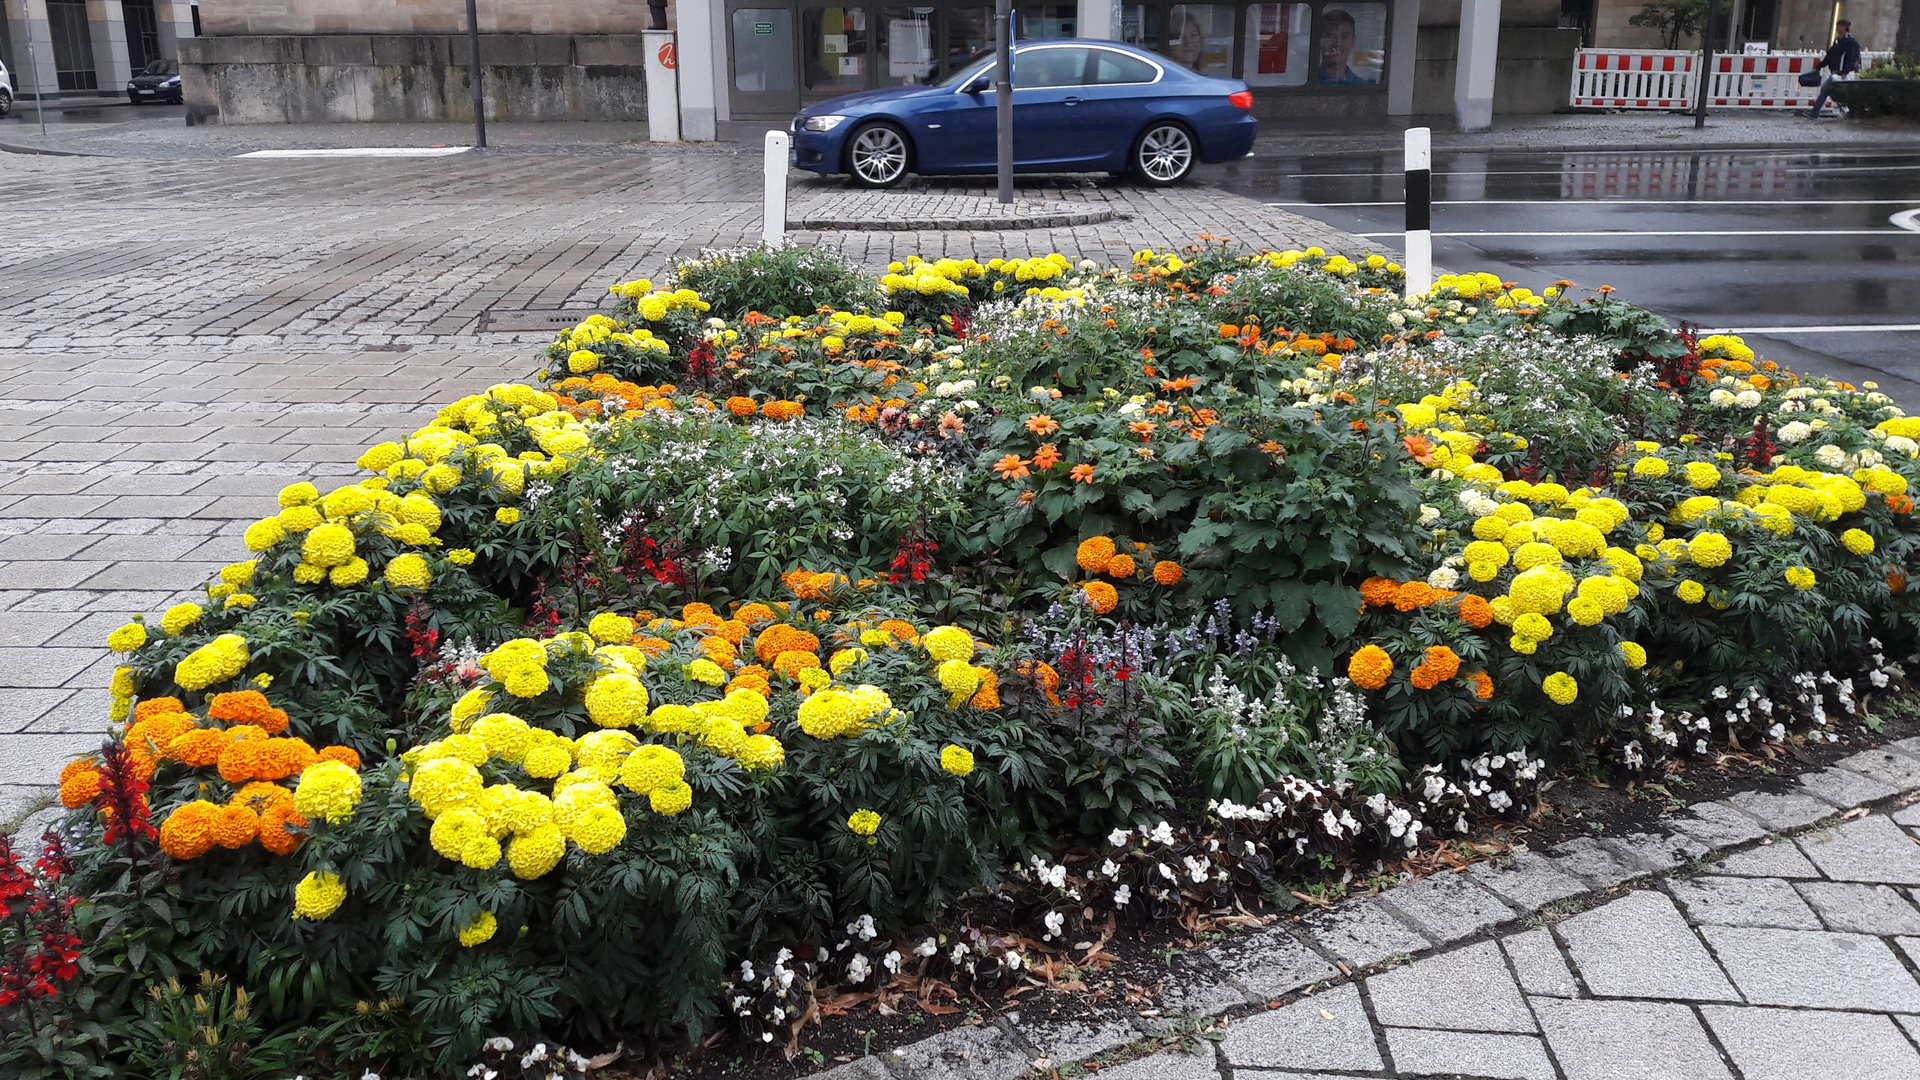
<point x="162" y="134"/>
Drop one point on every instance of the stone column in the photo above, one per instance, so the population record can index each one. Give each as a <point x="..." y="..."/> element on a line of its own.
<point x="1402" y="50"/>
<point x="702" y="54"/>
<point x="176" y="25"/>
<point x="111" y="66"/>
<point x="1098" y="19"/>
<point x="26" y="17"/>
<point x="1478" y="56"/>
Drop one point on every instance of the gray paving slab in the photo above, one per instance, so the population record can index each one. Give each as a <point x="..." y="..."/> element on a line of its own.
<point x="1813" y="969"/>
<point x="1468" y="989"/>
<point x="1587" y="860"/>
<point x="1908" y="816"/>
<point x="1462" y="1053"/>
<point x="1845" y="788"/>
<point x="1639" y="947"/>
<point x="1911" y="947"/>
<point x="1448" y="906"/>
<point x="1527" y="880"/>
<point x="963" y="1053"/>
<point x="1655" y="853"/>
<point x="1628" y="1040"/>
<point x="1537" y="964"/>
<point x="1860" y="908"/>
<point x="1326" y="1031"/>
<point x="1167" y="1065"/>
<point x="1781" y="811"/>
<point x="1792" y="1044"/>
<point x="1716" y="824"/>
<point x="1061" y="1043"/>
<point x="1742" y="901"/>
<point x="1886" y="765"/>
<point x="1270" y="963"/>
<point x="1779" y="858"/>
<point x="1870" y="848"/>
<point x="1362" y="933"/>
<point x="24" y="629"/>
<point x="866" y="1068"/>
<point x="1194" y="985"/>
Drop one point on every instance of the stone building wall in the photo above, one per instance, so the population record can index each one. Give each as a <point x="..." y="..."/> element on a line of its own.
<point x="223" y="18"/>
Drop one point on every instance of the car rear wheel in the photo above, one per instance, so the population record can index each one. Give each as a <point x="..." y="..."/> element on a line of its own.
<point x="877" y="156"/>
<point x="6" y="104"/>
<point x="1164" y="153"/>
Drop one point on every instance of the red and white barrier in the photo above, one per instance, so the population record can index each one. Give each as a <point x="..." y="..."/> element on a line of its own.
<point x="1663" y="79"/>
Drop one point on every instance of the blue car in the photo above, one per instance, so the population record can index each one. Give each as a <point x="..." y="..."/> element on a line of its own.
<point x="1078" y="106"/>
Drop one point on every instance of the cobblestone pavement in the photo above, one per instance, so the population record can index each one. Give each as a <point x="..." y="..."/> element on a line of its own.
<point x="1719" y="950"/>
<point x="188" y="337"/>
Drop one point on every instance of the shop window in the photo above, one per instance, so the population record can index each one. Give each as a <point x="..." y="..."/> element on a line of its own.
<point x="906" y="44"/>
<point x="72" y="45"/>
<point x="763" y="50"/>
<point x="969" y="34"/>
<point x="1277" y="40"/>
<point x="834" y="47"/>
<point x="1200" y="37"/>
<point x="1043" y="23"/>
<point x="1352" y="44"/>
<point x="1140" y="26"/>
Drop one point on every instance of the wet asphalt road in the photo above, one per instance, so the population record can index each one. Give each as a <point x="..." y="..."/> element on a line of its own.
<point x="1793" y="250"/>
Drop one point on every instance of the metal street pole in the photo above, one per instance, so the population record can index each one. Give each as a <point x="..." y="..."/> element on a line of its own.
<point x="1003" y="92"/>
<point x="1706" y="64"/>
<point x="33" y="68"/>
<point x="479" y="92"/>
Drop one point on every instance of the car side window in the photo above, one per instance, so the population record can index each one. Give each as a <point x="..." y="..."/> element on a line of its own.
<point x="1040" y="68"/>
<point x="1110" y="68"/>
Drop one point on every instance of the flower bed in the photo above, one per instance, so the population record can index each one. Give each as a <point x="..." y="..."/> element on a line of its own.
<point x="801" y="630"/>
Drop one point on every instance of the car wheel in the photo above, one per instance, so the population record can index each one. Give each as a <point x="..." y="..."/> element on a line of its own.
<point x="6" y="104"/>
<point x="1164" y="153"/>
<point x="877" y="156"/>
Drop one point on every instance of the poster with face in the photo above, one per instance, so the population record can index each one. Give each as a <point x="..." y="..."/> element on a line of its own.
<point x="1353" y="44"/>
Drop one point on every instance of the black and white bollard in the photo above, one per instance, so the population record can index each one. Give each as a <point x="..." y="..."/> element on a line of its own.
<point x="1419" y="257"/>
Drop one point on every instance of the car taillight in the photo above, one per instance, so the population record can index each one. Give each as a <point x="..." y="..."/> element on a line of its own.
<point x="1241" y="100"/>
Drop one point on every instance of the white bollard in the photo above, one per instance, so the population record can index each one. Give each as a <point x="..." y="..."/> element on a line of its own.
<point x="1419" y="258"/>
<point x="773" y="222"/>
<point x="663" y="86"/>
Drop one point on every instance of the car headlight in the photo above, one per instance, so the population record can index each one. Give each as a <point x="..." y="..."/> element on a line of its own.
<point x="823" y="123"/>
<point x="175" y="81"/>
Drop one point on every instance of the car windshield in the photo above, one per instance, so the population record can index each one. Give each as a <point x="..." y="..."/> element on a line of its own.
<point x="974" y="66"/>
<point x="159" y="67"/>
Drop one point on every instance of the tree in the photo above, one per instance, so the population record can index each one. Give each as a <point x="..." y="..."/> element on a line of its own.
<point x="1675" y="19"/>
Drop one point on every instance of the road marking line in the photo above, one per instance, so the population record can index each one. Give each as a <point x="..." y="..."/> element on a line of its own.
<point x="1577" y="170"/>
<point x="1870" y="328"/>
<point x="1906" y="219"/>
<point x="1701" y="203"/>
<point x="361" y="151"/>
<point x="1699" y="232"/>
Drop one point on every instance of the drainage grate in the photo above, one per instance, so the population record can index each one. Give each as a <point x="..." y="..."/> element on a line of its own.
<point x="494" y="321"/>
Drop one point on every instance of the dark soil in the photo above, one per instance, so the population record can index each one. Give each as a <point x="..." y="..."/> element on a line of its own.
<point x="1124" y="977"/>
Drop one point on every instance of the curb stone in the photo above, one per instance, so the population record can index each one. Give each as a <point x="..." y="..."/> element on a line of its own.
<point x="1369" y="934"/>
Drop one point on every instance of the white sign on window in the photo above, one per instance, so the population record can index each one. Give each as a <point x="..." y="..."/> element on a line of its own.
<point x="833" y="43"/>
<point x="909" y="48"/>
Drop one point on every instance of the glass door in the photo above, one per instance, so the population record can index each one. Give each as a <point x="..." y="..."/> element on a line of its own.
<point x="762" y="51"/>
<point x="836" y="54"/>
<point x="906" y="39"/>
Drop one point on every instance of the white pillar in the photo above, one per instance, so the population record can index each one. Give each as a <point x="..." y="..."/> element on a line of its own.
<point x="663" y="92"/>
<point x="773" y="207"/>
<point x="112" y="67"/>
<point x="1401" y="53"/>
<point x="26" y="17"/>
<point x="701" y="55"/>
<point x="176" y="25"/>
<point x="1478" y="56"/>
<point x="1098" y="19"/>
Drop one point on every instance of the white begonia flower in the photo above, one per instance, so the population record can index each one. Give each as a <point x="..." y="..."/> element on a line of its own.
<point x="859" y="968"/>
<point x="1122" y="895"/>
<point x="1056" y="924"/>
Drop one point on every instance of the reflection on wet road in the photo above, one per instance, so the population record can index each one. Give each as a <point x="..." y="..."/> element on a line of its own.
<point x="1816" y="253"/>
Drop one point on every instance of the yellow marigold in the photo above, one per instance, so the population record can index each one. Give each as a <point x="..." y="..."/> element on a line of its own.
<point x="507" y="515"/>
<point x="349" y="573"/>
<point x="956" y="760"/>
<point x="1858" y="541"/>
<point x="959" y="678"/>
<point x="611" y="628"/>
<point x="262" y="535"/>
<point x="1121" y="566"/>
<point x="1094" y="554"/>
<point x="1370" y="667"/>
<point x="1650" y="466"/>
<point x="1800" y="577"/>
<point x="328" y="545"/>
<point x="409" y="571"/>
<point x="1561" y="687"/>
<point x="532" y="854"/>
<point x="1586" y="611"/>
<point x="1167" y="572"/>
<point x="1541" y="589"/>
<point x="180" y="617"/>
<point x="1691" y="592"/>
<point x="1101" y="595"/>
<point x="223" y="658"/>
<point x="299" y="494"/>
<point x="127" y="638"/>
<point x="1702" y="476"/>
<point x="318" y="895"/>
<point x="1533" y="625"/>
<point x="1709" y="549"/>
<point x="863" y="822"/>
<point x="945" y="643"/>
<point x="1534" y="553"/>
<point x="327" y="789"/>
<point x="1634" y="654"/>
<point x="618" y="700"/>
<point x="650" y="767"/>
<point x="480" y="930"/>
<point x="670" y="799"/>
<point x="1491" y="527"/>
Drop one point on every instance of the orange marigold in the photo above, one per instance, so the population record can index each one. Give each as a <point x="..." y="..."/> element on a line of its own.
<point x="1103" y="595"/>
<point x="1370" y="667"/>
<point x="791" y="662"/>
<point x="1476" y="611"/>
<point x="756" y="683"/>
<point x="260" y="794"/>
<point x="200" y="747"/>
<point x="78" y="787"/>
<point x="235" y="825"/>
<point x="652" y="646"/>
<point x="1482" y="685"/>
<point x="346" y="755"/>
<point x="1094" y="554"/>
<point x="156" y="707"/>
<point x="741" y="406"/>
<point x="783" y="410"/>
<point x="1444" y="661"/>
<point x="719" y="650"/>
<point x="241" y="760"/>
<point x="1378" y="591"/>
<point x="1413" y="594"/>
<point x="1122" y="567"/>
<point x="273" y="827"/>
<point x="988" y="696"/>
<point x="733" y="630"/>
<point x="901" y="630"/>
<point x="754" y="613"/>
<point x="1167" y="572"/>
<point x="238" y="707"/>
<point x="780" y="638"/>
<point x="188" y="831"/>
<point x="281" y="758"/>
<point x="1041" y="673"/>
<point x="1424" y="677"/>
<point x="149" y="737"/>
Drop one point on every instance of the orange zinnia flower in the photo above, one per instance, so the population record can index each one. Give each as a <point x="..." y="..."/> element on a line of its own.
<point x="1046" y="457"/>
<point x="1081" y="473"/>
<point x="1142" y="428"/>
<point x="1184" y="382"/>
<point x="1042" y="424"/>
<point x="1011" y="467"/>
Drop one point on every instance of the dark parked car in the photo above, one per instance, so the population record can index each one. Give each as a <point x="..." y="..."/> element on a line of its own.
<point x="1078" y="106"/>
<point x="159" y="81"/>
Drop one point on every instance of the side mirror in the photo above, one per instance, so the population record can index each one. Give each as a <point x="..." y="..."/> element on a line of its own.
<point x="979" y="85"/>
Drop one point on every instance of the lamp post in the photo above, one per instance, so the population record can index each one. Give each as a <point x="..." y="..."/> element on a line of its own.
<point x="33" y="68"/>
<point x="1003" y="92"/>
<point x="473" y="68"/>
<point x="1706" y="64"/>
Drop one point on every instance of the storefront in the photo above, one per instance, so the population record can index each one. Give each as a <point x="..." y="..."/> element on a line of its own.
<point x="781" y="57"/>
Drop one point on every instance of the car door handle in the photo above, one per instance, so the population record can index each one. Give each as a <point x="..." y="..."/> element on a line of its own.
<point x="1073" y="101"/>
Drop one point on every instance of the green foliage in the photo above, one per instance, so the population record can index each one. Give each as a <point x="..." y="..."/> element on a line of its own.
<point x="1674" y="19"/>
<point x="778" y="281"/>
